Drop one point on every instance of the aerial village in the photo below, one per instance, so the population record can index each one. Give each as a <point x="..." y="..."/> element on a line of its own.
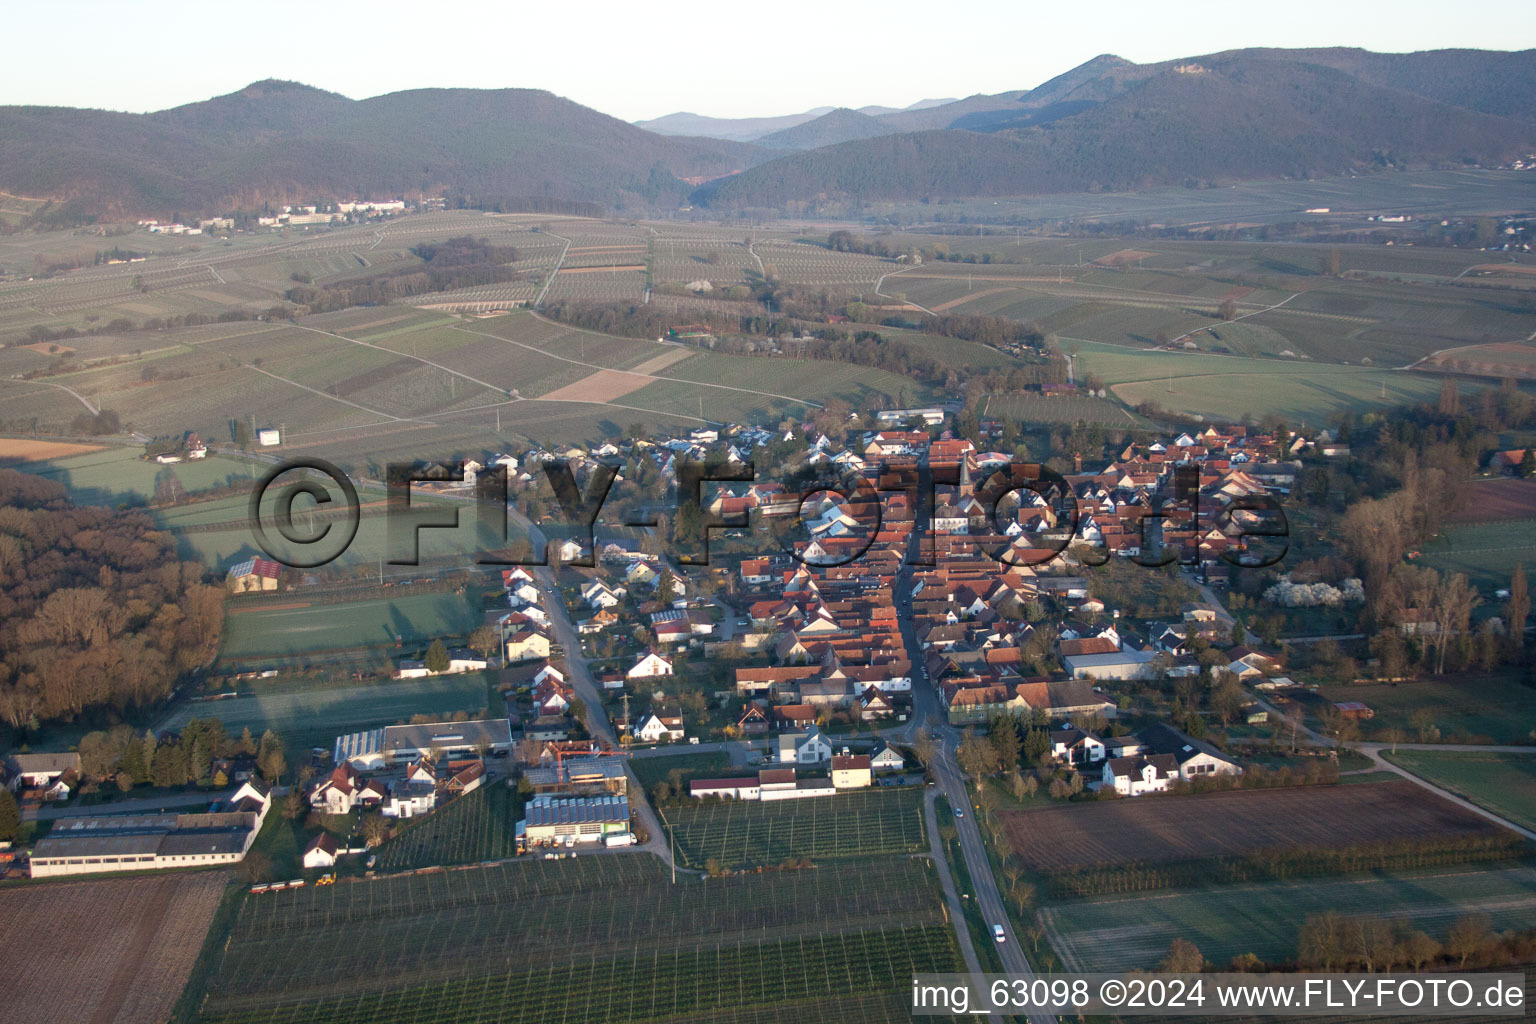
<point x="824" y="666"/>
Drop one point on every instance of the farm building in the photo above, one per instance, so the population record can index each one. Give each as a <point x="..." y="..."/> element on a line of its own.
<point x="1121" y="665"/>
<point x="1355" y="709"/>
<point x="556" y="821"/>
<point x="587" y="775"/>
<point x="253" y="575"/>
<point x="136" y="842"/>
<point x="1195" y="758"/>
<point x="39" y="771"/>
<point x="408" y="742"/>
<point x="268" y="437"/>
<point x="732" y="789"/>
<point x="362" y="750"/>
<point x="459" y="660"/>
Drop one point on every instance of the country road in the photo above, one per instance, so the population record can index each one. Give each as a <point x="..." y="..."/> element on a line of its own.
<point x="580" y="678"/>
<point x="950" y="782"/>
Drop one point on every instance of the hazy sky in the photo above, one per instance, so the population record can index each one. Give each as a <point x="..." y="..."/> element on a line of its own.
<point x="640" y="60"/>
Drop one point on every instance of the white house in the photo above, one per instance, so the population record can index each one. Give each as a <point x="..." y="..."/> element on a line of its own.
<point x="321" y="852"/>
<point x="598" y="596"/>
<point x="345" y="789"/>
<point x="1134" y="776"/>
<point x="652" y="729"/>
<point x="886" y="759"/>
<point x="1075" y="746"/>
<point x="652" y="666"/>
<point x="804" y="748"/>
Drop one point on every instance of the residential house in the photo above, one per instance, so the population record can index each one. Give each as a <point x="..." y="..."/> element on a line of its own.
<point x="525" y="644"/>
<point x="650" y="666"/>
<point x="810" y="747"/>
<point x="1140" y="773"/>
<point x="886" y="758"/>
<point x="851" y="771"/>
<point x="1076" y="747"/>
<point x="321" y="852"/>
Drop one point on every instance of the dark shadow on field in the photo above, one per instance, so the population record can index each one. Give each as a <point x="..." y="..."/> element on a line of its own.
<point x="79" y="494"/>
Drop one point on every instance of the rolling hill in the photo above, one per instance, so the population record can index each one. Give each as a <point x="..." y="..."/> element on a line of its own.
<point x="278" y="142"/>
<point x="841" y="125"/>
<point x="1106" y="124"/>
<point x="1114" y="125"/>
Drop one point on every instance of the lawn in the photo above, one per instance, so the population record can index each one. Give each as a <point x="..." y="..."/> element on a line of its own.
<point x="1503" y="783"/>
<point x="372" y="544"/>
<point x="1486" y="552"/>
<point x="751" y="832"/>
<point x="316" y="715"/>
<point x="1230" y="387"/>
<point x="592" y="939"/>
<point x="290" y="628"/>
<point x="117" y="475"/>
<point x="1494" y="708"/>
<point x="1119" y="933"/>
<point x="712" y="764"/>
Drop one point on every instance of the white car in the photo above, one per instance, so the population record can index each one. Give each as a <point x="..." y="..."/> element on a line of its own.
<point x="959" y="813"/>
<point x="997" y="933"/>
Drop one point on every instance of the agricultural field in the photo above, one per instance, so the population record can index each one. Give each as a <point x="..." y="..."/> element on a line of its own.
<point x="1486" y="552"/>
<point x="1172" y="828"/>
<point x="314" y="715"/>
<point x="118" y="474"/>
<point x="1488" y="501"/>
<point x="218" y="533"/>
<point x="1503" y="783"/>
<point x="278" y="629"/>
<point x="1120" y="933"/>
<point x="478" y="826"/>
<point x="1062" y="409"/>
<point x="139" y="937"/>
<point x="1494" y="708"/>
<point x="1515" y="359"/>
<point x="594" y="938"/>
<point x="749" y="832"/>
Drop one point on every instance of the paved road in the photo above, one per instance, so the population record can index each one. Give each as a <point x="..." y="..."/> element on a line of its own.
<point x="950" y="781"/>
<point x="946" y="880"/>
<point x="140" y="805"/>
<point x="580" y="678"/>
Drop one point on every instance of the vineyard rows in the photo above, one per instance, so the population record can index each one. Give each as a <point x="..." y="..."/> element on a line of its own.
<point x="751" y="832"/>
